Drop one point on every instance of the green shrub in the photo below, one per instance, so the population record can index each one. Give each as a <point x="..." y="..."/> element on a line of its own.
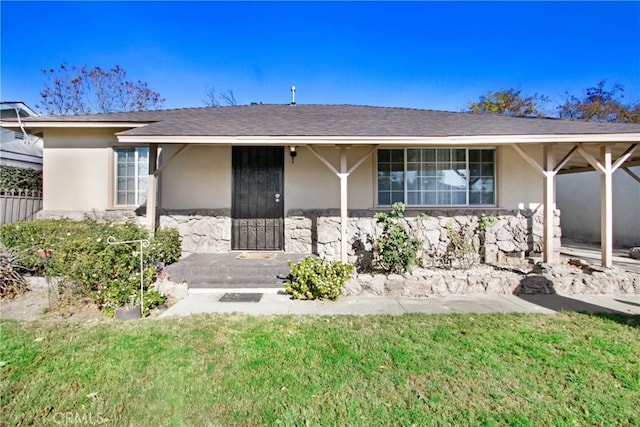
<point x="317" y="278"/>
<point x="12" y="177"/>
<point x="395" y="250"/>
<point x="108" y="274"/>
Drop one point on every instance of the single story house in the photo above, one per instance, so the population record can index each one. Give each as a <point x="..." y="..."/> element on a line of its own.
<point x="309" y="178"/>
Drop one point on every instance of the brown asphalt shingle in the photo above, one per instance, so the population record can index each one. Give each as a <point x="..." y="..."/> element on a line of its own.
<point x="338" y="120"/>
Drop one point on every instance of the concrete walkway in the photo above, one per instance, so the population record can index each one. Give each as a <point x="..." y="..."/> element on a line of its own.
<point x="218" y="281"/>
<point x="272" y="303"/>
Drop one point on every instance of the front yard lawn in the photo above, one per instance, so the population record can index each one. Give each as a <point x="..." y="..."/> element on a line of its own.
<point x="565" y="369"/>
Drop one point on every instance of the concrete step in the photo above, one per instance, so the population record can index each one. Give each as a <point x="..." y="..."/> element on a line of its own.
<point x="225" y="271"/>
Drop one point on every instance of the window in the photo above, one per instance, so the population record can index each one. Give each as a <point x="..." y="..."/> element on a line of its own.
<point x="436" y="176"/>
<point x="131" y="170"/>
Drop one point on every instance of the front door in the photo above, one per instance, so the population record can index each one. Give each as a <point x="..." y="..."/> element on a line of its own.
<point x="257" y="209"/>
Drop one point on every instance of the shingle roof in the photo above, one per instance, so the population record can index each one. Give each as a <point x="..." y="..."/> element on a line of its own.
<point x="337" y="120"/>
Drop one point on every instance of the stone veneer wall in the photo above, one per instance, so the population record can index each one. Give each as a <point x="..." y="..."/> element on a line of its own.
<point x="515" y="233"/>
<point x="202" y="231"/>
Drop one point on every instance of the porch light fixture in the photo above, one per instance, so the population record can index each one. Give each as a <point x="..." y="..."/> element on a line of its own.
<point x="292" y="152"/>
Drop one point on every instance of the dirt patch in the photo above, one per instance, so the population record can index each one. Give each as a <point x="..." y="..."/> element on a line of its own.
<point x="37" y="304"/>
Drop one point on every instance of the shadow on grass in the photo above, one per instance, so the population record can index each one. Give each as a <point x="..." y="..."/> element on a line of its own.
<point x="539" y="290"/>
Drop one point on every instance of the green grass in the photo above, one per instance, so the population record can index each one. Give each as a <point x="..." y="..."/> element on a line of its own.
<point x="521" y="370"/>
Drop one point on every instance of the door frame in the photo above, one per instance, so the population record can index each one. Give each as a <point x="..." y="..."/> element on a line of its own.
<point x="281" y="210"/>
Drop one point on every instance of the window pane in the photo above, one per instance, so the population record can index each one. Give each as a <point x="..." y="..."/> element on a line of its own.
<point x="459" y="198"/>
<point x="413" y="167"/>
<point x="487" y="156"/>
<point x="384" y="169"/>
<point x="487" y="199"/>
<point x="413" y="198"/>
<point x="474" y="197"/>
<point x="436" y="176"/>
<point x="397" y="180"/>
<point x="459" y="155"/>
<point x="413" y="155"/>
<point x="429" y="198"/>
<point x="429" y="169"/>
<point x="429" y="155"/>
<point x="413" y="181"/>
<point x="397" y="167"/>
<point x="444" y="155"/>
<point x="397" y="155"/>
<point x="131" y="170"/>
<point x="429" y="184"/>
<point x="384" y="184"/>
<point x="444" y="198"/>
<point x="384" y="156"/>
<point x="397" y="197"/>
<point x="142" y="184"/>
<point x="474" y="155"/>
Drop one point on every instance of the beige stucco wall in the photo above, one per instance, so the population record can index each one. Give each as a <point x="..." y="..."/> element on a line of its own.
<point x="78" y="163"/>
<point x="579" y="201"/>
<point x="519" y="185"/>
<point x="310" y="184"/>
<point x="76" y="169"/>
<point x="200" y="178"/>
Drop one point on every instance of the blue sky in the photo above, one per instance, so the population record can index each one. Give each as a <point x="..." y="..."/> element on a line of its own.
<point x="415" y="54"/>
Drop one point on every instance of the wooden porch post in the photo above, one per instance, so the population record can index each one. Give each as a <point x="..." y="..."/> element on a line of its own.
<point x="606" y="168"/>
<point x="548" y="172"/>
<point x="606" y="207"/>
<point x="344" y="217"/>
<point x="343" y="174"/>
<point x="151" y="189"/>
<point x="549" y="202"/>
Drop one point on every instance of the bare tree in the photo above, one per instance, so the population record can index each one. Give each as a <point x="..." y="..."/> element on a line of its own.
<point x="213" y="99"/>
<point x="79" y="90"/>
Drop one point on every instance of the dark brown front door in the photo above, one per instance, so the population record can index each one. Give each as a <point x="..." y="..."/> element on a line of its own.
<point x="257" y="209"/>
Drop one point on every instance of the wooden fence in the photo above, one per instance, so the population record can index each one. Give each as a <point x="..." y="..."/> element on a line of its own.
<point x="19" y="205"/>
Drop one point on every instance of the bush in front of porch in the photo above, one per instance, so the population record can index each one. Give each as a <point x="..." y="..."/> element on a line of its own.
<point x="77" y="253"/>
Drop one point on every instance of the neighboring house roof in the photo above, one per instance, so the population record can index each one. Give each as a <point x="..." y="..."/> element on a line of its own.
<point x="18" y="148"/>
<point x="332" y="121"/>
<point x="10" y="109"/>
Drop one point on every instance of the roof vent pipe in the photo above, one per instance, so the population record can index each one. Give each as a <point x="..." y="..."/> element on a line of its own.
<point x="293" y="95"/>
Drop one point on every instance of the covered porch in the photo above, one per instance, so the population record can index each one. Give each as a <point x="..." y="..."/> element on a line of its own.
<point x="568" y="154"/>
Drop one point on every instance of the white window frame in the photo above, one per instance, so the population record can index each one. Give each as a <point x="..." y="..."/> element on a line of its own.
<point x="137" y="176"/>
<point x="468" y="177"/>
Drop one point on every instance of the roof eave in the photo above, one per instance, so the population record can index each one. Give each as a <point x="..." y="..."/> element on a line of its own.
<point x="69" y="124"/>
<point x="390" y="140"/>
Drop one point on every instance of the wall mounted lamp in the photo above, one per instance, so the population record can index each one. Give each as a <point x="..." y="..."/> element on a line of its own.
<point x="292" y="152"/>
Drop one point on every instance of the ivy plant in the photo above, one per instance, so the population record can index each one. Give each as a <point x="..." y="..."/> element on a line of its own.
<point x="395" y="250"/>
